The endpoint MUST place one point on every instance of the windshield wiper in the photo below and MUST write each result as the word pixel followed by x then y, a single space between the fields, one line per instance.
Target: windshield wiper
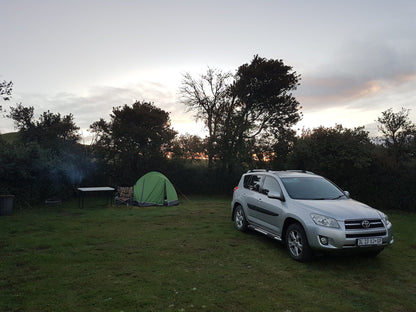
pixel 338 197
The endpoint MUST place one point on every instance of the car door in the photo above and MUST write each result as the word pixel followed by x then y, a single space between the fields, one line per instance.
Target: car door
pixel 251 194
pixel 270 210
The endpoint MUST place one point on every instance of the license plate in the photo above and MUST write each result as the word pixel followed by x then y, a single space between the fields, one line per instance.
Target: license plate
pixel 369 241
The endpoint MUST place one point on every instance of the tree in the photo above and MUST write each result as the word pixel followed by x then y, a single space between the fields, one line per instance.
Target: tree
pixel 399 132
pixel 283 145
pixel 142 128
pixel 263 92
pixel 135 140
pixel 255 104
pixel 262 107
pixel 338 153
pixel 45 159
pixel 189 147
pixel 208 97
pixel 22 117
pixel 6 90
pixel 52 131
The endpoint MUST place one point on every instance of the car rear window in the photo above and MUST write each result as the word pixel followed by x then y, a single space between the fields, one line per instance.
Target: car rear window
pixel 247 181
pixel 252 182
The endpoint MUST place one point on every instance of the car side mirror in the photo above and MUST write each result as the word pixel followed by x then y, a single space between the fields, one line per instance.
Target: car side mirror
pixel 347 194
pixel 276 195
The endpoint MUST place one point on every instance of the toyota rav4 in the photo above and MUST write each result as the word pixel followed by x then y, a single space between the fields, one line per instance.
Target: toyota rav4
pixel 308 213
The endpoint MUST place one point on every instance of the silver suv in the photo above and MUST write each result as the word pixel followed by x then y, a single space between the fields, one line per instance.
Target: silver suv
pixel 308 213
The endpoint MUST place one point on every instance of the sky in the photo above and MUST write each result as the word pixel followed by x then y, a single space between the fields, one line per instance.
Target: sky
pixel 356 59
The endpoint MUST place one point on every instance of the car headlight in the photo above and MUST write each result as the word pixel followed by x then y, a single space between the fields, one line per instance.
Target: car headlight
pixel 384 217
pixel 324 221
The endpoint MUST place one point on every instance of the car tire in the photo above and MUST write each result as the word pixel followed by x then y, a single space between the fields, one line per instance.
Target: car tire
pixel 240 219
pixel 297 243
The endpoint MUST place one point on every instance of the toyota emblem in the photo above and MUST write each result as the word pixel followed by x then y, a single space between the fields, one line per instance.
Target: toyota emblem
pixel 365 224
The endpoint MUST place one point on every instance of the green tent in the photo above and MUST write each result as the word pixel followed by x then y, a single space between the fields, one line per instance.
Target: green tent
pixel 154 189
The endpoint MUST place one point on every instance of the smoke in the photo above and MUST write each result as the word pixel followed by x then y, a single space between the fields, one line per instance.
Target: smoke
pixel 67 171
pixel 73 173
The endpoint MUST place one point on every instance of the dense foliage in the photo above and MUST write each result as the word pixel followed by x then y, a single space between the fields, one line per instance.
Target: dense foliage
pixel 245 112
pixel 44 160
pixel 369 171
pixel 135 141
pixel 6 90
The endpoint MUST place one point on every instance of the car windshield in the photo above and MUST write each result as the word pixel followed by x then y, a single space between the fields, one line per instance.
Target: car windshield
pixel 316 188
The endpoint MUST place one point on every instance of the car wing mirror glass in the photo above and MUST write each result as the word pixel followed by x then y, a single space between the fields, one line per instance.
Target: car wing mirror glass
pixel 276 195
pixel 347 194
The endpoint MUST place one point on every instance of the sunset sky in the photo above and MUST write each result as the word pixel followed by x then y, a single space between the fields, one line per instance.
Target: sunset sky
pixel 356 58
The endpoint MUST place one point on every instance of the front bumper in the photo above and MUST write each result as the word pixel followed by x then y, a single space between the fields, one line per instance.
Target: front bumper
pixel 326 238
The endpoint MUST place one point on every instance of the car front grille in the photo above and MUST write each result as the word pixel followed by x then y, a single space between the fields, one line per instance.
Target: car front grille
pixel 364 228
pixel 358 224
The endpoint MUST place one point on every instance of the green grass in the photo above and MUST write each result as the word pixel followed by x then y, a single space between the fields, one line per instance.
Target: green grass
pixel 186 258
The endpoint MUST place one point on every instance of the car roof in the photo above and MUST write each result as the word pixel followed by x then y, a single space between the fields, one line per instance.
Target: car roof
pixel 284 174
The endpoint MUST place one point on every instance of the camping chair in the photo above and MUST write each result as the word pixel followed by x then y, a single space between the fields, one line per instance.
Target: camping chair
pixel 124 195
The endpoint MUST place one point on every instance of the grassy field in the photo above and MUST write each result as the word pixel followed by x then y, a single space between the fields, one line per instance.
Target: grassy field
pixel 186 258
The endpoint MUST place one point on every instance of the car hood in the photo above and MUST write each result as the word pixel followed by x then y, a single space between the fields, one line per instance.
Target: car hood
pixel 341 209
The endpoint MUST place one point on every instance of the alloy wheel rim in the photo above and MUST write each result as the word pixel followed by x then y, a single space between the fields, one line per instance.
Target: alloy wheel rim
pixel 295 243
pixel 239 218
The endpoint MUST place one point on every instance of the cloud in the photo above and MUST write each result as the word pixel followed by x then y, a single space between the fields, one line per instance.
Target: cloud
pixel 360 70
pixel 98 102
pixel 326 92
pixel 358 82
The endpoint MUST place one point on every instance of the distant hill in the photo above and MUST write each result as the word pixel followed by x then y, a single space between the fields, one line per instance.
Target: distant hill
pixel 10 137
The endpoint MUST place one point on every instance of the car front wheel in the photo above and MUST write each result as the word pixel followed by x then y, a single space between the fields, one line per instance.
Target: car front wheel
pixel 297 243
pixel 240 219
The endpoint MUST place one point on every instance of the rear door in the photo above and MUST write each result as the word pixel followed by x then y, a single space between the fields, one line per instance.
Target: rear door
pixel 252 184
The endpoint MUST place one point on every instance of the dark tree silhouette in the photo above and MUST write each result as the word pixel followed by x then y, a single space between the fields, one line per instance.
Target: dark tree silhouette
pixel 208 96
pixel 135 141
pixel 6 90
pixel 399 132
pixel 51 130
pixel 256 104
pixel 188 146
pixel 262 108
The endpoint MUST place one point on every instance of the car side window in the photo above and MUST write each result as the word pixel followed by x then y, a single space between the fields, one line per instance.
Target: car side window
pixel 270 185
pixel 253 182
pixel 247 180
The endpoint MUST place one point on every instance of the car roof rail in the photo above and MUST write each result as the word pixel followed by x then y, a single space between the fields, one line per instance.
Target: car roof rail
pixel 258 170
pixel 300 171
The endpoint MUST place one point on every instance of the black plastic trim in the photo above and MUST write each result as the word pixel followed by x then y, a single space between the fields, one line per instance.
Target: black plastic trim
pixel 256 208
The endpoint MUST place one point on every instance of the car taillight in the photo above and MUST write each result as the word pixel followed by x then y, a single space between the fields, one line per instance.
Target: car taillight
pixel 235 189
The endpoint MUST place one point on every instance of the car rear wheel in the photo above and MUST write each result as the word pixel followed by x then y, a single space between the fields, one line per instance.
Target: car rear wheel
pixel 240 219
pixel 297 243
